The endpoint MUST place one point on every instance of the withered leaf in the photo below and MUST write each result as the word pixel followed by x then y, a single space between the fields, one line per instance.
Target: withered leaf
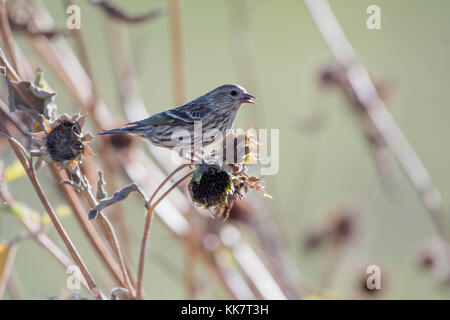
pixel 26 96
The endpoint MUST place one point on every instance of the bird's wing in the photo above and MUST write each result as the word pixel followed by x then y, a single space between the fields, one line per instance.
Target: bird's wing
pixel 194 111
pixel 184 115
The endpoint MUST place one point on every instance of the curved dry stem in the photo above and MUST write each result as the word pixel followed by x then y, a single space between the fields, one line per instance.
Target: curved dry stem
pixel 148 223
pixel 89 229
pixel 164 182
pixel 58 226
pixel 22 149
pixel 6 34
pixel 116 13
pixel 110 234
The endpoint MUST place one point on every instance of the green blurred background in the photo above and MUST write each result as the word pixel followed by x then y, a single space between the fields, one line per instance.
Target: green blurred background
pixel 317 169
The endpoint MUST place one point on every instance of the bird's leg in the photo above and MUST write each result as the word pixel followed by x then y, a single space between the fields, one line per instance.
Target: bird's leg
pixel 192 155
pixel 196 156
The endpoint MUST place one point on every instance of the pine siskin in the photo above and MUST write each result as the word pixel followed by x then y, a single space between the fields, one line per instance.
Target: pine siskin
pixel 214 111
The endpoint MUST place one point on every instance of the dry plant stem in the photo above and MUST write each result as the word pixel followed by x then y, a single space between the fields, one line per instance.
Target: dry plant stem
pixel 118 14
pixel 46 48
pixel 17 26
pixel 189 274
pixel 92 234
pixel 35 231
pixel 51 247
pixel 84 58
pixel 6 34
pixel 233 288
pixel 167 179
pixel 90 106
pixel 110 233
pixel 368 97
pixel 4 112
pixel 178 81
pixel 216 270
pixel 75 204
pixel 83 52
pixel 190 244
pixel 116 246
pixel 40 193
pixel 14 287
pixel 74 200
pixel 177 51
pixel 148 222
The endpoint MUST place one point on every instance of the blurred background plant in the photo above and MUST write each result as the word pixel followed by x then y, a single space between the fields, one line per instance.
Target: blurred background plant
pixel 340 201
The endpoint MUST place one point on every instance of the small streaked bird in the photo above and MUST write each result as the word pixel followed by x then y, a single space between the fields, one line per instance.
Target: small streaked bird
pixel 215 110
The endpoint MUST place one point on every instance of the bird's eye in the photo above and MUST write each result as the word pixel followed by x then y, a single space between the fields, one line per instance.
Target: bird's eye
pixel 233 93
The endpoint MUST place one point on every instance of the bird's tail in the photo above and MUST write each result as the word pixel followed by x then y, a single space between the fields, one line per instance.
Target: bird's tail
pixel 119 130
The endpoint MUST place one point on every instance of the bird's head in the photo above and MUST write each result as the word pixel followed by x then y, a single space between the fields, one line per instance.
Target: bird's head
pixel 229 96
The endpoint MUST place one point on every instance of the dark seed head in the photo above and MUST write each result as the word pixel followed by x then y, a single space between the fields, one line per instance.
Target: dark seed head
pixel 210 185
pixel 63 142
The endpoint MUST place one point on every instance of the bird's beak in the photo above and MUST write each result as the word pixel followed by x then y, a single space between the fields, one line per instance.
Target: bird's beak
pixel 248 98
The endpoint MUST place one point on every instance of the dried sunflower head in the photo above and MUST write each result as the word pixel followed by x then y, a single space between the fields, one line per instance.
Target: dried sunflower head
pixel 218 187
pixel 210 186
pixel 62 141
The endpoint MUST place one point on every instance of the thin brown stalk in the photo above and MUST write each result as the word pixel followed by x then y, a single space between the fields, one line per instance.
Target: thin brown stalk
pixel 111 235
pixel 82 216
pixel 109 159
pixel 56 252
pixel 58 226
pixel 74 203
pixel 14 286
pixel 148 222
pixel 190 258
pixel 167 179
pixel 177 51
pixel 6 34
pixel 45 47
pixel 34 230
pixel 179 89
pixel 12 118
pixel 118 14
pixel 84 59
